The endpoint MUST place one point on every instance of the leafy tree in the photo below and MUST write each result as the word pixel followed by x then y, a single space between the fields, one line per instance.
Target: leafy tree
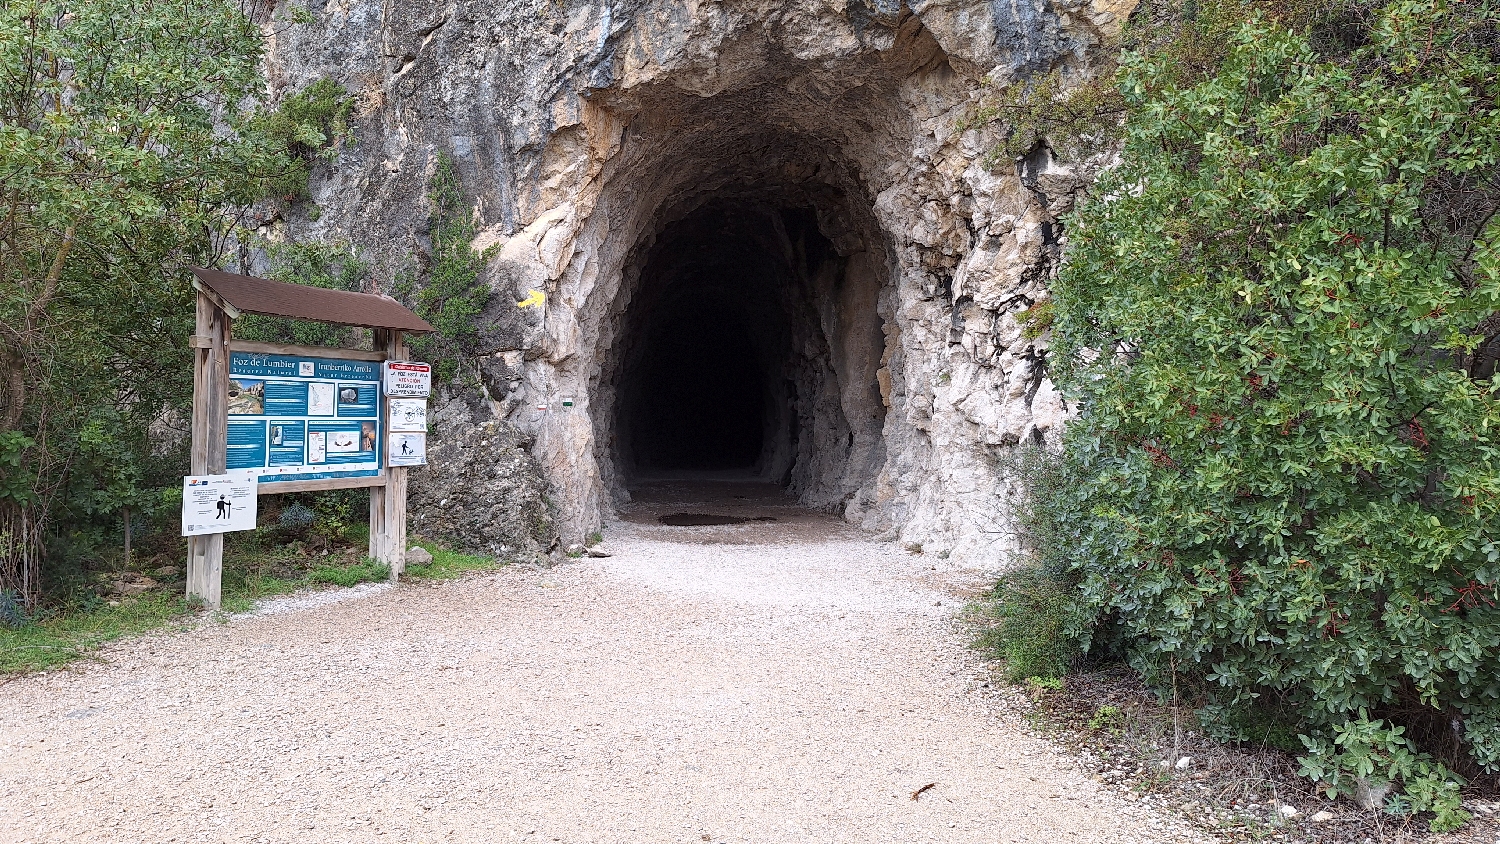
pixel 1279 320
pixel 1077 115
pixel 123 150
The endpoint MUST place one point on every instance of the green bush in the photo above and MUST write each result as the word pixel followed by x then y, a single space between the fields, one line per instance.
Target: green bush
pixel 1036 320
pixel 332 266
pixel 125 152
pixel 1034 618
pixel 1278 318
pixel 454 292
pixel 339 511
pixel 306 126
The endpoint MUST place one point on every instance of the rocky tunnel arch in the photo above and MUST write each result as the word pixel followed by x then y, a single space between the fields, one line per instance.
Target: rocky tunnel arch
pixel 750 336
pixel 808 225
pixel 737 289
pixel 603 143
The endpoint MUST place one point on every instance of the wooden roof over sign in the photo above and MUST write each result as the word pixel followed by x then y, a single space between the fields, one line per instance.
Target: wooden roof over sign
pixel 247 294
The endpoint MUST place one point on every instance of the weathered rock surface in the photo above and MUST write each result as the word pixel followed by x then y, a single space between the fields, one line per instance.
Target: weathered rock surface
pixel 481 490
pixel 800 165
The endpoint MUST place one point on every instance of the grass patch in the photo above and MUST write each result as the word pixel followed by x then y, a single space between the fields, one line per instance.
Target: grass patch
pixel 260 564
pixel 256 566
pixel 365 571
pixel 1031 621
pixel 250 587
pixel 64 637
pixel 447 564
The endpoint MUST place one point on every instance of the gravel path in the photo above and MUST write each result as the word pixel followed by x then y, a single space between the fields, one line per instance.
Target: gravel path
pixel 784 681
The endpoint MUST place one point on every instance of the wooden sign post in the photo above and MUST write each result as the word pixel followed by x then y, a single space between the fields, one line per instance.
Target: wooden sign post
pixel 388 503
pixel 222 298
pixel 205 563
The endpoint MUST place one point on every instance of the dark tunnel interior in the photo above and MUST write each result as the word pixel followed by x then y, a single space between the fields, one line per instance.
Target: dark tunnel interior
pixel 707 383
pixel 700 391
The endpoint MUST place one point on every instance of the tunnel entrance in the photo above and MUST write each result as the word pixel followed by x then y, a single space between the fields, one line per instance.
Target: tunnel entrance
pixel 749 347
pixel 703 387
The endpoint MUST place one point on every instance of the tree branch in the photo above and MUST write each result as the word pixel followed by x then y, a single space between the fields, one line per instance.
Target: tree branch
pixel 50 283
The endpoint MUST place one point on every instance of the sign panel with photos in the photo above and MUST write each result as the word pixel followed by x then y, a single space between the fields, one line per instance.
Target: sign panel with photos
pixel 301 418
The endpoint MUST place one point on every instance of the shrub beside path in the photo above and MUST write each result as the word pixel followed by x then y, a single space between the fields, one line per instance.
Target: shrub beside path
pixel 762 682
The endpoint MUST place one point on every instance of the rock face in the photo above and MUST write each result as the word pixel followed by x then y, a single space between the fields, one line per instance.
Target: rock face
pixel 482 489
pixel 766 242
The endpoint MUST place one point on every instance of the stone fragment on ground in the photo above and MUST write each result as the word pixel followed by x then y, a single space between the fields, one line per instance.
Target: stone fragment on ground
pixel 129 584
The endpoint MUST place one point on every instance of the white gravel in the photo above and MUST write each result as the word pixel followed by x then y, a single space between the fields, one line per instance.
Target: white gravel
pixel 786 681
pixel 312 600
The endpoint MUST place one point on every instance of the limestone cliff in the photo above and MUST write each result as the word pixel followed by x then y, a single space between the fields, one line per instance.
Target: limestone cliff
pixel 792 172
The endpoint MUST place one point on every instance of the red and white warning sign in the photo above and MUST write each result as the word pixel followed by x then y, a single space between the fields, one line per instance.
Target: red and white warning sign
pixel 407 378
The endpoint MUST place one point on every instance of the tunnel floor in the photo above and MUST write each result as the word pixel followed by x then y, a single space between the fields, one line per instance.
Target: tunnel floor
pixel 763 512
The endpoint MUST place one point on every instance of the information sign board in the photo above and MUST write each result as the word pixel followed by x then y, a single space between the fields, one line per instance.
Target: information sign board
pixel 407 450
pixel 407 415
pixel 295 418
pixel 407 378
pixel 218 503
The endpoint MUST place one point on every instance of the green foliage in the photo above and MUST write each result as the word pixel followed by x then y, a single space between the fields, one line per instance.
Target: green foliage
pixel 1107 719
pixel 454 292
pixel 337 513
pixel 108 474
pixel 1037 319
pixel 1045 684
pixel 12 609
pixel 1074 119
pixel 17 483
pixel 329 517
pixel 1030 620
pixel 125 136
pixel 1260 723
pixel 332 266
pixel 448 564
pixel 1186 40
pixel 63 637
pixel 366 571
pixel 255 568
pixel 1368 753
pixel 295 519
pixel 271 561
pixel 1033 618
pixel 308 125
pixel 1278 321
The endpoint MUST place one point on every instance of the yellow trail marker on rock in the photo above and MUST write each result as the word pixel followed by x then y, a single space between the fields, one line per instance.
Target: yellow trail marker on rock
pixel 537 297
